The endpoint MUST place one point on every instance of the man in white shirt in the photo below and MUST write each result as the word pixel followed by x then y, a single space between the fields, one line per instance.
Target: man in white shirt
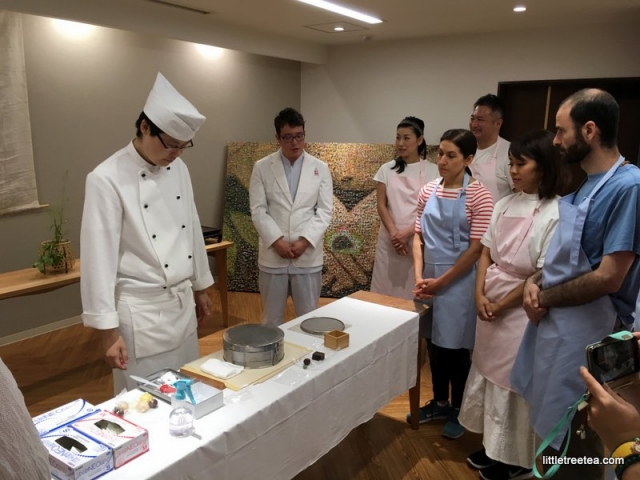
pixel 291 197
pixel 142 247
pixel 491 161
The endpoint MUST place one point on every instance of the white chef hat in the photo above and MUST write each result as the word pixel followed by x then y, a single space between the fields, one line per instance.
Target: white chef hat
pixel 171 112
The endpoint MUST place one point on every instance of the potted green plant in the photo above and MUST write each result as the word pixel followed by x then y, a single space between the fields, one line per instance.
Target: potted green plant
pixel 55 255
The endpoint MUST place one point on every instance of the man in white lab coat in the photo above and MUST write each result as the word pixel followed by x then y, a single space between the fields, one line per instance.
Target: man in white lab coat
pixel 291 196
pixel 142 248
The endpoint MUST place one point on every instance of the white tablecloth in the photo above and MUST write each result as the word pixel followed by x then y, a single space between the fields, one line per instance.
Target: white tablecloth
pixel 276 429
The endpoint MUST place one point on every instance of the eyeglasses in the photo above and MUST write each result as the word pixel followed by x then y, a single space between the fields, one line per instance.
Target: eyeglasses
pixel 290 138
pixel 189 144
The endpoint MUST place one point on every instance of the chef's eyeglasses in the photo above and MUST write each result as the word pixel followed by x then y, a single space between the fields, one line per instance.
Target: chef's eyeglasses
pixel 189 144
pixel 290 138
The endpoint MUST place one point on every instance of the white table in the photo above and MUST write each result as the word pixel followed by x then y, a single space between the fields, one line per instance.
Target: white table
pixel 276 429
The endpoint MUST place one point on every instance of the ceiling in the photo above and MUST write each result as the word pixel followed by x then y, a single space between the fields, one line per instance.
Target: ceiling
pixel 405 18
pixel 293 30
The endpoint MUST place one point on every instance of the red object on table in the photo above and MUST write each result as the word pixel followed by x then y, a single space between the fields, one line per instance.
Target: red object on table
pixel 165 388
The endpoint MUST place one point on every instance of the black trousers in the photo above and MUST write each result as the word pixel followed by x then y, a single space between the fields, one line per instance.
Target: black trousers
pixel 448 367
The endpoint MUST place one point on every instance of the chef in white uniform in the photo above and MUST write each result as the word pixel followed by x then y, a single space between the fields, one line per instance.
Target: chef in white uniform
pixel 291 199
pixel 144 265
pixel 491 162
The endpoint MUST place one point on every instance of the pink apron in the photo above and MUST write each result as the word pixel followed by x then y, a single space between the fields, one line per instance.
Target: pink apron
pixel 497 342
pixel 393 273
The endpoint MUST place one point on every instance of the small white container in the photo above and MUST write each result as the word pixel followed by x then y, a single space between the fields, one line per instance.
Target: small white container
pixel 207 399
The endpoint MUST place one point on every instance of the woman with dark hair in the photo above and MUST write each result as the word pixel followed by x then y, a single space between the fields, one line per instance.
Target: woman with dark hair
pixel 514 248
pixel 399 182
pixel 453 214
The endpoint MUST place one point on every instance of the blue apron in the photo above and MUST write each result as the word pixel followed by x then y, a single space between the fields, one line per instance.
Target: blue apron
pixel 545 372
pixel 445 231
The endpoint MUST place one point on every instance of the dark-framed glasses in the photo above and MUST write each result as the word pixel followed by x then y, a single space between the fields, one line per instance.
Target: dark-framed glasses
pixel 298 137
pixel 175 148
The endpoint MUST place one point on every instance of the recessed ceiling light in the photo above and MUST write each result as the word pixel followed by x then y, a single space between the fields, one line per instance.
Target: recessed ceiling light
pixel 520 8
pixel 338 29
pixel 209 51
pixel 73 29
pixel 347 12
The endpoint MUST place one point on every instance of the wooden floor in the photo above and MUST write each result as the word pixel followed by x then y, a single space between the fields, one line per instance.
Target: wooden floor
pixel 57 367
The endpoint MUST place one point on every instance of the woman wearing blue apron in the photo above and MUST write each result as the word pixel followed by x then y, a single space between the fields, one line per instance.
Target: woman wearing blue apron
pixel 454 212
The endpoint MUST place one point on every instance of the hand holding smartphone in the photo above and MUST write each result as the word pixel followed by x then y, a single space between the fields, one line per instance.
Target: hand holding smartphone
pixel 613 358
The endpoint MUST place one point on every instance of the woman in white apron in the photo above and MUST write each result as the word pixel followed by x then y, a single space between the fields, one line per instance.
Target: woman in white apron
pixel 514 248
pixel 454 212
pixel 399 182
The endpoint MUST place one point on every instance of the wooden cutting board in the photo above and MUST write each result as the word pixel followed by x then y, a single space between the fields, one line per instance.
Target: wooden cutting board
pixel 249 376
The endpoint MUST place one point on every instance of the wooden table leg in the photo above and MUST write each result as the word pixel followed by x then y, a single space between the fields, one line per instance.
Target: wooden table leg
pixel 414 393
pixel 221 266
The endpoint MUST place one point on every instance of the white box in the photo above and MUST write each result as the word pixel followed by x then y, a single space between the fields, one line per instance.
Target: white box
pixel 63 415
pixel 207 399
pixel 126 439
pixel 93 459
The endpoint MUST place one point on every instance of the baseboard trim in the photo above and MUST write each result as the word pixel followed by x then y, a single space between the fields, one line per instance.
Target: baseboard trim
pixel 50 327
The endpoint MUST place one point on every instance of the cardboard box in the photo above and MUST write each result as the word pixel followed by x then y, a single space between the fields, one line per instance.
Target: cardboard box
pixel 207 399
pixel 336 339
pixel 126 439
pixel 63 415
pixel 74 456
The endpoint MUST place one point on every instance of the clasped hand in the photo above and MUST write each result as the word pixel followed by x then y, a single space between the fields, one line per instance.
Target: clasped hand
pixel 400 242
pixel 531 302
pixel 426 288
pixel 486 309
pixel 291 249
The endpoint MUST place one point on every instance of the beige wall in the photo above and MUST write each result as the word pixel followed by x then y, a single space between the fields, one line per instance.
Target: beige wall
pixel 85 95
pixel 364 90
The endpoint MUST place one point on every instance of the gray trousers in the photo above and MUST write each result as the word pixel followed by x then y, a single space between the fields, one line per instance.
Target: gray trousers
pixel 275 288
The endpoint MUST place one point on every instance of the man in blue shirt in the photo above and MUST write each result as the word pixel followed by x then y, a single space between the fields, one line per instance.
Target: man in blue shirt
pixel 589 282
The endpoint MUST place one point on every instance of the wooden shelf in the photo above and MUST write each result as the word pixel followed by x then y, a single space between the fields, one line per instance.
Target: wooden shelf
pixel 30 281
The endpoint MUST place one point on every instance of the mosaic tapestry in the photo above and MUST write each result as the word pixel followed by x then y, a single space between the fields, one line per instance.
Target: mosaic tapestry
pixel 350 240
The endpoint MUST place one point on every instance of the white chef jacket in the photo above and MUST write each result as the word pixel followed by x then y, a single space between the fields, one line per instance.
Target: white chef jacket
pixel 140 234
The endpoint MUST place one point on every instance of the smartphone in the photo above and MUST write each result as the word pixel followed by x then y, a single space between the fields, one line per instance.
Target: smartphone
pixel 612 359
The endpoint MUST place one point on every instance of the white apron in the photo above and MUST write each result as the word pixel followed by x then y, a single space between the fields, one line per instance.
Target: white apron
pixel 485 172
pixel 497 342
pixel 445 230
pixel 545 372
pixel 159 331
pixel 392 273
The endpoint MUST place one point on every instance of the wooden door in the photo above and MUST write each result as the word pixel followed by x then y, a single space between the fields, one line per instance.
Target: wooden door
pixel 533 105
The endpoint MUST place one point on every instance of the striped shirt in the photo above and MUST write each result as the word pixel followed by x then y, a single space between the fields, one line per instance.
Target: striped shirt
pixel 478 205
